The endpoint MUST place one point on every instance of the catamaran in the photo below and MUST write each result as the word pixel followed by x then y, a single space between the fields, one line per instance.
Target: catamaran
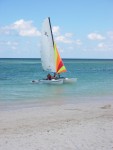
pixel 50 57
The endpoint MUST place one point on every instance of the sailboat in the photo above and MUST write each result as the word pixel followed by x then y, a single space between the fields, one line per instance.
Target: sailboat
pixel 50 57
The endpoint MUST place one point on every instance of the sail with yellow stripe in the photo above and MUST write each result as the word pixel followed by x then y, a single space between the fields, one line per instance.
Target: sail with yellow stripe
pixel 59 63
pixel 50 57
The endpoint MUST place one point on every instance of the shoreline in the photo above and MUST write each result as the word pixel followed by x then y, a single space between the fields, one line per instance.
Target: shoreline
pixel 44 102
pixel 78 126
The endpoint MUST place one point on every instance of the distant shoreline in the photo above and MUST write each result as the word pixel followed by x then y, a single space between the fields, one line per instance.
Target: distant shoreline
pixel 67 58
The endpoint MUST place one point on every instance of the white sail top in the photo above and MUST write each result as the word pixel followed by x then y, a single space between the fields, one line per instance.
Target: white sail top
pixel 47 50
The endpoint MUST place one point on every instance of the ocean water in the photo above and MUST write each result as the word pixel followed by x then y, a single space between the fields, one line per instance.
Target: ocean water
pixel 94 81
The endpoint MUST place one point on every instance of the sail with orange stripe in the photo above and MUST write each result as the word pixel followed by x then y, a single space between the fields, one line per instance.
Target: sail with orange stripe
pixel 50 57
pixel 59 63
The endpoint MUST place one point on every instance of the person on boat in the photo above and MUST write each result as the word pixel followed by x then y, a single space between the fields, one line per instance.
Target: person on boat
pixel 58 75
pixel 54 76
pixel 49 77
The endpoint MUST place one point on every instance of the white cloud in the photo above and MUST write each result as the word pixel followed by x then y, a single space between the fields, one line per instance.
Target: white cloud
pixel 56 30
pixel 107 46
pixel 95 36
pixel 23 28
pixel 63 39
pixel 101 45
pixel 67 39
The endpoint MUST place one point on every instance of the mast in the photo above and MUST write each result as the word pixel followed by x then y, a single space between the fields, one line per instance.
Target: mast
pixel 50 57
pixel 51 31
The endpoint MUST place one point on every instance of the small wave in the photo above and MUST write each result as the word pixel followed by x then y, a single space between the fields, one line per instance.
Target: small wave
pixel 4 78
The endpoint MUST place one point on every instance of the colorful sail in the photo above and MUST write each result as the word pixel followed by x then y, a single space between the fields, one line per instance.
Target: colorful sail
pixel 58 61
pixel 50 57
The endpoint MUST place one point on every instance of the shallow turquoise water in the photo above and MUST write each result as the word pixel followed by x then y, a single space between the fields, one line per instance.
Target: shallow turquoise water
pixel 95 79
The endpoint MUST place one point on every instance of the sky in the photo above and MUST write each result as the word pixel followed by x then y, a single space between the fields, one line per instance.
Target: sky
pixel 81 28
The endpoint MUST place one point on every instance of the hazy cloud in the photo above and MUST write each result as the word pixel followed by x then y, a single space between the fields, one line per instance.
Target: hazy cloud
pixel 68 35
pixel 101 45
pixel 110 34
pixel 78 42
pixel 10 44
pixel 95 36
pixel 63 39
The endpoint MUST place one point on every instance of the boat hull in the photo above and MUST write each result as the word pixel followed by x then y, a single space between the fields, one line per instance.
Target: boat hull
pixel 69 80
pixel 56 81
pixel 53 81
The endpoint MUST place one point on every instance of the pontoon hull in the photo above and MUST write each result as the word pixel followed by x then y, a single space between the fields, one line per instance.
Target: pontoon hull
pixel 53 81
pixel 56 81
pixel 69 80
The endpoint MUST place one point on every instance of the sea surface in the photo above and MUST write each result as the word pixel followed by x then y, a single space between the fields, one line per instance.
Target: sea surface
pixel 94 82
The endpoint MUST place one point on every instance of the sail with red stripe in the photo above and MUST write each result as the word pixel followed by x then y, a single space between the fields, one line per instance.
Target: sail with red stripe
pixel 59 63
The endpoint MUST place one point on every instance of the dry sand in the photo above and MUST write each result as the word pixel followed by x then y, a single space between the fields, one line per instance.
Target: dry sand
pixel 85 126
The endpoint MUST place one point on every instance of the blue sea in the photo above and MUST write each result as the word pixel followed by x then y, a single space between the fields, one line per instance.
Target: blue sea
pixel 94 82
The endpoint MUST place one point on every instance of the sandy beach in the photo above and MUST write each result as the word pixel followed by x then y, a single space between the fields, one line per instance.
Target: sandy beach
pixel 83 126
